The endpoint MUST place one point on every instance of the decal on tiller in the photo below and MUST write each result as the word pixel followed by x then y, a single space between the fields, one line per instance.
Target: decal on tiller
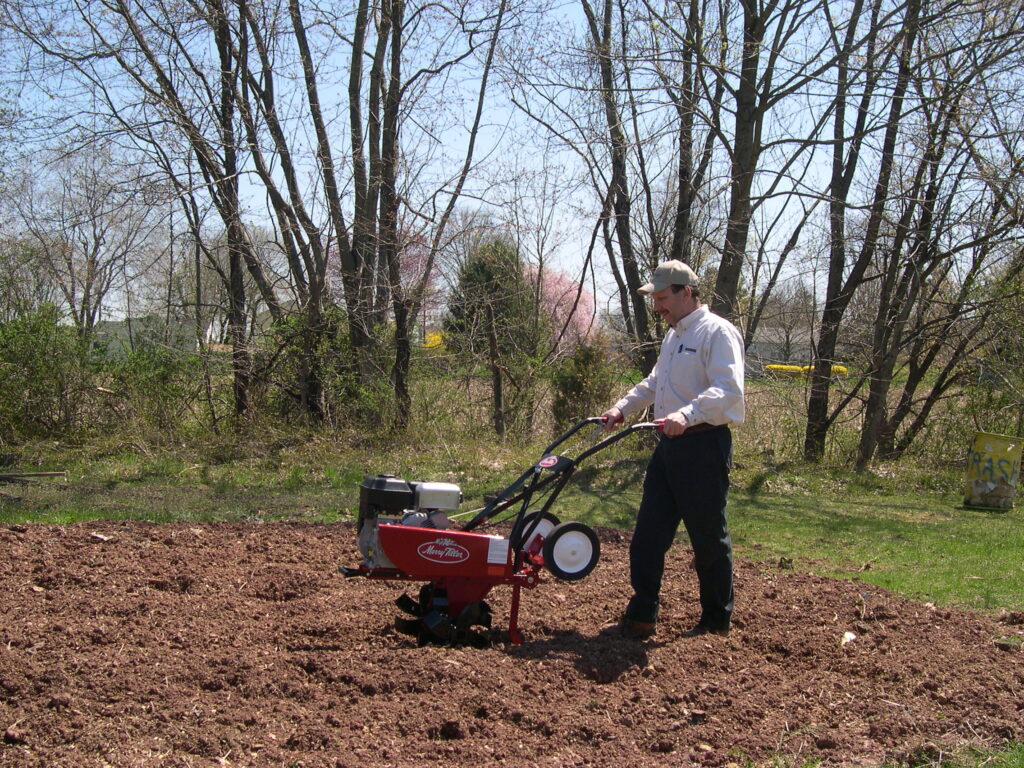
pixel 548 461
pixel 444 551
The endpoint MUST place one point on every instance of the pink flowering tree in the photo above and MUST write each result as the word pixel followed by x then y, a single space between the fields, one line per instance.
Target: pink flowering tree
pixel 567 306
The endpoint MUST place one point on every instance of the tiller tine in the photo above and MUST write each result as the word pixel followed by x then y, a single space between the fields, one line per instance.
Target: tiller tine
pixel 431 623
pixel 436 628
pixel 412 626
pixel 477 614
pixel 408 626
pixel 409 605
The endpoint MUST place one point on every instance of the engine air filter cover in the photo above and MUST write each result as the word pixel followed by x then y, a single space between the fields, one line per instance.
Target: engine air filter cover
pixel 438 496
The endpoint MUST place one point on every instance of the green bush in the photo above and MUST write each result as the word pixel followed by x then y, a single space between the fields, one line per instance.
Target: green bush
pixel 311 374
pixel 44 376
pixel 154 387
pixel 494 321
pixel 584 385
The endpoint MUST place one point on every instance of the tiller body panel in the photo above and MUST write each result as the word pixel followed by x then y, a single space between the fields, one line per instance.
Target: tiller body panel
pixel 436 554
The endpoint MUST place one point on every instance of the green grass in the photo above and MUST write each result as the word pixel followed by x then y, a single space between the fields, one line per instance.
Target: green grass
pixel 1011 757
pixel 923 544
pixel 310 480
pixel 928 548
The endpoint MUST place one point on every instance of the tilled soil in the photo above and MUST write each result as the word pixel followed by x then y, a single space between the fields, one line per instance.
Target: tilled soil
pixel 130 644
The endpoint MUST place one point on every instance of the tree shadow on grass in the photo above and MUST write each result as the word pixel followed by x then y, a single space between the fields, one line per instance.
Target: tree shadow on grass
pixel 611 491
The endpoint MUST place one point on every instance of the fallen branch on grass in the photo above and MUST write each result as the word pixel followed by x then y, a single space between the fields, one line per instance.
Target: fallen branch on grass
pixel 24 477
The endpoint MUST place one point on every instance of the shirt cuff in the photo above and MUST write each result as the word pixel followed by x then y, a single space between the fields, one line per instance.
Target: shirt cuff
pixel 623 406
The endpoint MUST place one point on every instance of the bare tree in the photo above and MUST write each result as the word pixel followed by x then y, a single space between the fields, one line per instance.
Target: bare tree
pixel 91 221
pixel 847 153
pixel 956 228
pixel 242 89
pixel 369 243
pixel 695 122
pixel 933 230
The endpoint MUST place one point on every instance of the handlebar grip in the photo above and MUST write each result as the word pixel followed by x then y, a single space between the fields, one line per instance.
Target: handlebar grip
pixel 657 424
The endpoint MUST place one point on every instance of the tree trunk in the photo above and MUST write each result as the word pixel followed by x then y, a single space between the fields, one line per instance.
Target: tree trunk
pixel 497 392
pixel 601 33
pixel 839 292
pixel 237 326
pixel 745 152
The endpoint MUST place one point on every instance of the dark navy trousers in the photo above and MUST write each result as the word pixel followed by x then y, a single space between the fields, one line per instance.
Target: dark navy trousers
pixel 687 481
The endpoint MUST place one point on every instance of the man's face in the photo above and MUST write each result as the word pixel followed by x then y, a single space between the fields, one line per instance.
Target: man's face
pixel 673 306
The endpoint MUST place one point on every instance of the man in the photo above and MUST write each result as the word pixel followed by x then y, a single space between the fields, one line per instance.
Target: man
pixel 696 387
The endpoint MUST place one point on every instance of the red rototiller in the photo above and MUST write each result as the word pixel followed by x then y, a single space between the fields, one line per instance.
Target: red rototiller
pixel 405 534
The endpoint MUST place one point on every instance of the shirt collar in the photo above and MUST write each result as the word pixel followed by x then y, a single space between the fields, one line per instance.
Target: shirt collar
pixel 685 322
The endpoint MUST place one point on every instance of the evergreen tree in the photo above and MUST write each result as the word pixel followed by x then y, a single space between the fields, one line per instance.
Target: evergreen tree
pixel 492 316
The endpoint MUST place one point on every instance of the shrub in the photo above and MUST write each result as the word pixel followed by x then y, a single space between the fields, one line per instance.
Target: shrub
pixel 311 374
pixel 44 376
pixel 157 385
pixel 583 385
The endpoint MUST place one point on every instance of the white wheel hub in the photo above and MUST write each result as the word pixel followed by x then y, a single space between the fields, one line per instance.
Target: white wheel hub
pixel 572 552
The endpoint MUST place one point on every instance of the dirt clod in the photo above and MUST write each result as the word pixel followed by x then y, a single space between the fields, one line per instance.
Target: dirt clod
pixel 59 701
pixel 448 731
pixel 242 644
pixel 14 736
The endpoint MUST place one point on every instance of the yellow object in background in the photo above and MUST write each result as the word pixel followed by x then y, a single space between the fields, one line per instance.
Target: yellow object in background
pixel 993 469
pixel 433 340
pixel 800 371
pixel 785 371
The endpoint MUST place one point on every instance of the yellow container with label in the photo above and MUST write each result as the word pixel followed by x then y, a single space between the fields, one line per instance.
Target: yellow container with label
pixel 993 469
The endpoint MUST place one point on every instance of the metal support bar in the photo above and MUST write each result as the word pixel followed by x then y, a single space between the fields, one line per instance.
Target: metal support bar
pixel 513 619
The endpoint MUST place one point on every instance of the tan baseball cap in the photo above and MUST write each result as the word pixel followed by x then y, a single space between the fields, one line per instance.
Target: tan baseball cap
pixel 668 273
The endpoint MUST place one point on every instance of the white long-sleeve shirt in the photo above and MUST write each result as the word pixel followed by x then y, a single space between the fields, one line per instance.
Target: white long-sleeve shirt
pixel 699 373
